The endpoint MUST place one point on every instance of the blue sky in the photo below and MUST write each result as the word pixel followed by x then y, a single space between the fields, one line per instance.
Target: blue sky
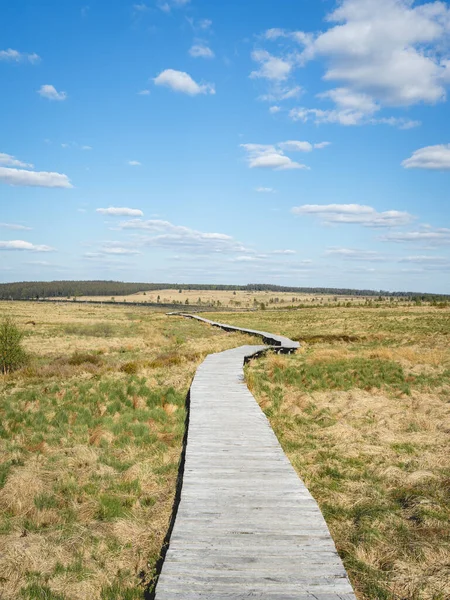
pixel 292 142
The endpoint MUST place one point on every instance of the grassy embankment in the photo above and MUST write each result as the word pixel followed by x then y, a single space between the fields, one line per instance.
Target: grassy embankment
pixel 90 438
pixel 363 412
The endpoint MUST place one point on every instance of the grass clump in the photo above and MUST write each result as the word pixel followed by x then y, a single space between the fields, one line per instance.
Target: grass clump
pixel 104 330
pixel 12 353
pixel 80 358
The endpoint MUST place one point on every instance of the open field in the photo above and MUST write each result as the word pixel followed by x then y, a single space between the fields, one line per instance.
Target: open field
pixel 91 432
pixel 363 412
pixel 90 438
pixel 240 299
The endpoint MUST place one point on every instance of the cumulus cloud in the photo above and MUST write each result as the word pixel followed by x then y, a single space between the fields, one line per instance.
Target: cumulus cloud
pixel 11 161
pixel 382 48
pixel 14 226
pixel 263 156
pixel 378 53
pixel 354 254
pixel 357 214
pixel 21 177
pixel 114 211
pixel 11 55
pixel 201 51
pixel 271 67
pixel 167 235
pixel 134 163
pixel 269 156
pixel 429 157
pixel 286 252
pixel 50 92
pixel 22 245
pixel 179 81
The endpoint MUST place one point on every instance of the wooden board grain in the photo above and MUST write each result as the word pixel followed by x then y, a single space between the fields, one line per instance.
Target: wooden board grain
pixel 246 525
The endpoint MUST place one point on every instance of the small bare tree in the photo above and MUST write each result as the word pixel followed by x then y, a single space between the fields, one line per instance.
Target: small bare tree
pixel 12 354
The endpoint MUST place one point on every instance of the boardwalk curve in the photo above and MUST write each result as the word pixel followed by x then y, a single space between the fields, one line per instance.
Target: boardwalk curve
pixel 246 525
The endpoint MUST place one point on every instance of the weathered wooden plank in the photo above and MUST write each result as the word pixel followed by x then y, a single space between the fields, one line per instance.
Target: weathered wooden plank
pixel 246 525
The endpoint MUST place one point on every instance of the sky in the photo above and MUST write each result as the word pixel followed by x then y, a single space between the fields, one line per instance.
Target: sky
pixel 293 142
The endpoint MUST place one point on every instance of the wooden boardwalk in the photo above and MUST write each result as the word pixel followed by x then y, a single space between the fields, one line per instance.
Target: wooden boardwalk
pixel 246 525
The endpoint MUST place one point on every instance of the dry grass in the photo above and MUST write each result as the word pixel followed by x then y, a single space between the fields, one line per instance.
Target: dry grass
pixel 90 439
pixel 236 299
pixel 366 424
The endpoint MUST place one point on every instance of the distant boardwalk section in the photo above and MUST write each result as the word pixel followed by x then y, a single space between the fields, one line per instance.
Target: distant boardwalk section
pixel 246 525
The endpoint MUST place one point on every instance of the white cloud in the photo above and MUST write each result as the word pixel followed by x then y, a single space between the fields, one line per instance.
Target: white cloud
pixel 166 235
pixel 378 53
pixel 205 23
pixel 14 226
pixel 388 49
pixel 270 156
pixel 119 250
pixel 50 92
pixel 140 7
pixel 430 157
pixel 399 122
pixel 86 147
pixel 34 178
pixel 11 55
pixel 11 161
pixel 286 252
pixel 22 245
pixel 427 235
pixel 353 254
pixel 426 260
pixel 354 214
pixel 271 67
pixel 348 117
pixel 265 190
pixel 179 81
pixel 201 51
pixel 144 93
pixel 321 145
pixel 295 146
pixel 134 163
pixel 114 211
pixel 351 100
pixel 274 109
pixel 167 5
pixel 279 92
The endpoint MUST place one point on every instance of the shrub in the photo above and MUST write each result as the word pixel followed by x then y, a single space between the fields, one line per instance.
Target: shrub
pixel 12 354
pixel 80 358
pixel 130 367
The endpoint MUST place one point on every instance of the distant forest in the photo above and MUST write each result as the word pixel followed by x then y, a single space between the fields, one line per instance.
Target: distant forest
pixel 25 290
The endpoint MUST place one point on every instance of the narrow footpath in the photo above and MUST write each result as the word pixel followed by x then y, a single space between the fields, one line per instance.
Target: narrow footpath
pixel 246 525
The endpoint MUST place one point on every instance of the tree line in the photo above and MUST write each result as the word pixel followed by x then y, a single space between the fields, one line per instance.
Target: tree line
pixel 24 290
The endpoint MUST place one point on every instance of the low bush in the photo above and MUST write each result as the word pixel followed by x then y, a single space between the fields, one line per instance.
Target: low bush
pixel 130 367
pixel 12 354
pixel 80 358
